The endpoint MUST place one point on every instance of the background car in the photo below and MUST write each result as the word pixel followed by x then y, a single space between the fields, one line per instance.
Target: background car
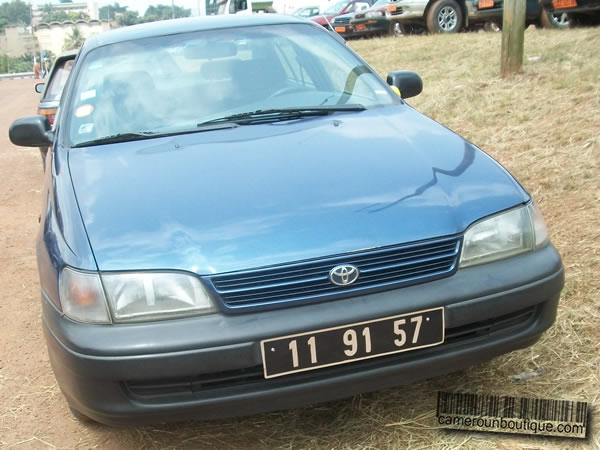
pixel 451 16
pixel 341 25
pixel 52 89
pixel 307 11
pixel 535 14
pixel 435 16
pixel 378 19
pixel 578 12
pixel 337 9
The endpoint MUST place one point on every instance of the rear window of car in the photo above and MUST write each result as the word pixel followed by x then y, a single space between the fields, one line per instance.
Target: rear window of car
pixel 57 81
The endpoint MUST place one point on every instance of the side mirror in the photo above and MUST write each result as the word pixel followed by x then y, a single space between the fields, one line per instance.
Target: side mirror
pixel 32 131
pixel 39 87
pixel 409 83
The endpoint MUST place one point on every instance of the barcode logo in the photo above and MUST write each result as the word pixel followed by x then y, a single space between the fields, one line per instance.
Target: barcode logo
pixel 512 415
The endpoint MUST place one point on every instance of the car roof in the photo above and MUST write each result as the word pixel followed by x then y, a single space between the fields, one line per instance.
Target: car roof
pixel 177 26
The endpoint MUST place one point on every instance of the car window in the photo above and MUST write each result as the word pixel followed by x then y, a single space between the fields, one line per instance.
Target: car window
pixel 173 83
pixel 57 81
pixel 336 8
pixel 359 6
pixel 237 5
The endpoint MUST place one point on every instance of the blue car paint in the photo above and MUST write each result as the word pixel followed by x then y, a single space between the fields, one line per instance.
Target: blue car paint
pixel 259 195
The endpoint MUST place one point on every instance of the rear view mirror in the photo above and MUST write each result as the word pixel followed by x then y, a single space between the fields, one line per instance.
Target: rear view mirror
pixel 32 131
pixel 409 83
pixel 209 50
pixel 39 87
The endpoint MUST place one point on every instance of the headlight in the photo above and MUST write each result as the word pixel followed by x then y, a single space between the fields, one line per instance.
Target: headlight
pixel 131 296
pixel 82 296
pixel 374 14
pixel 152 295
pixel 503 235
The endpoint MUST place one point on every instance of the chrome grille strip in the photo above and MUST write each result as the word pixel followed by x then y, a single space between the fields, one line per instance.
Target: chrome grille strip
pixel 385 267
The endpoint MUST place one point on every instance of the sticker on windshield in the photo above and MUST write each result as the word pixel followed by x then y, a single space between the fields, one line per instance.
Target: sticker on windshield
pixel 86 128
pixel 87 94
pixel 84 110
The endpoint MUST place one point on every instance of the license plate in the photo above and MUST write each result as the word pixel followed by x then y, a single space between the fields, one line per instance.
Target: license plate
pixel 372 21
pixel 563 4
pixel 361 26
pixel 353 342
pixel 340 29
pixel 486 4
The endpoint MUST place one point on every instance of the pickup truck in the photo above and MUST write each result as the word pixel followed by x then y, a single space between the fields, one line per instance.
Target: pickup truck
pixel 451 16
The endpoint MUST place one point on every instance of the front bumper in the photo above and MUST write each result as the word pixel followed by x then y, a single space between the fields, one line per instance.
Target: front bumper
pixel 210 366
pixel 369 26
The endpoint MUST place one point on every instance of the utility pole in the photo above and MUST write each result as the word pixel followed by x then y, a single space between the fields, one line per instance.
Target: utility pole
pixel 172 9
pixel 513 36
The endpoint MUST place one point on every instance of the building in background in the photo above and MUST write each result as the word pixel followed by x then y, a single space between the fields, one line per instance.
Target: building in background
pixel 17 40
pixel 89 8
pixel 51 37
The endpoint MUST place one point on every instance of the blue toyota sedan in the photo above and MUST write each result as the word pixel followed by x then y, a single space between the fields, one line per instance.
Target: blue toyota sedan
pixel 240 216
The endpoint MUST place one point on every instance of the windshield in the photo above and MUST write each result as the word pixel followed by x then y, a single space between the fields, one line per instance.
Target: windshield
pixel 58 79
pixel 174 83
pixel 335 9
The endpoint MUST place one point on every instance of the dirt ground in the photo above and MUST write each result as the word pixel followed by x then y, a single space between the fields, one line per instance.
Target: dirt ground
pixel 559 167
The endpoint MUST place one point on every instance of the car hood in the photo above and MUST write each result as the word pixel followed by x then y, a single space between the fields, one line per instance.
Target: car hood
pixel 253 196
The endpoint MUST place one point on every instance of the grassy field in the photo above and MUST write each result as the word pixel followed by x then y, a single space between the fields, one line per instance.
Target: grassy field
pixel 543 126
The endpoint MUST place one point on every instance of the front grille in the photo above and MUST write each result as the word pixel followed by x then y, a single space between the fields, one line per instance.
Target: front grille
pixel 341 21
pixel 207 383
pixel 397 12
pixel 380 269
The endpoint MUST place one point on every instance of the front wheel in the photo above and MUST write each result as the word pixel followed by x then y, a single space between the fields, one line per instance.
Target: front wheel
pixel 444 16
pixel 411 28
pixel 557 20
pixel 80 417
pixel 395 29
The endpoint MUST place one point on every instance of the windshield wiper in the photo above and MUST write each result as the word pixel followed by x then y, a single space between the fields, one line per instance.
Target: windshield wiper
pixel 280 114
pixel 127 137
pixel 120 137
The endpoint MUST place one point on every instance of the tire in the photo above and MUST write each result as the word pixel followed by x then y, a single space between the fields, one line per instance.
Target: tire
pixel 444 16
pixel 395 29
pixel 81 417
pixel 583 20
pixel 410 28
pixel 492 27
pixel 557 21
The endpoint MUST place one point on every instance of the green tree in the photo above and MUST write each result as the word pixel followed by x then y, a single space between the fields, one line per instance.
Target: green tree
pixel 54 16
pixel 15 12
pixel 74 16
pixel 163 12
pixel 74 40
pixel 128 18
pixel 16 64
pixel 109 12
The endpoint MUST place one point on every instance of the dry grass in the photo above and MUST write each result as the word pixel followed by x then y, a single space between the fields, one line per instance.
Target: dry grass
pixel 544 126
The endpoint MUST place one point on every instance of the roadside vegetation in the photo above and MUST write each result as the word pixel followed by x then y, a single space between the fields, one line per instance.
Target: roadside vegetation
pixel 544 127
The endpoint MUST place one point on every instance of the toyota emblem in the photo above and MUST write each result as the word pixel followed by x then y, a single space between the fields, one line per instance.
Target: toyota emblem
pixel 343 275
